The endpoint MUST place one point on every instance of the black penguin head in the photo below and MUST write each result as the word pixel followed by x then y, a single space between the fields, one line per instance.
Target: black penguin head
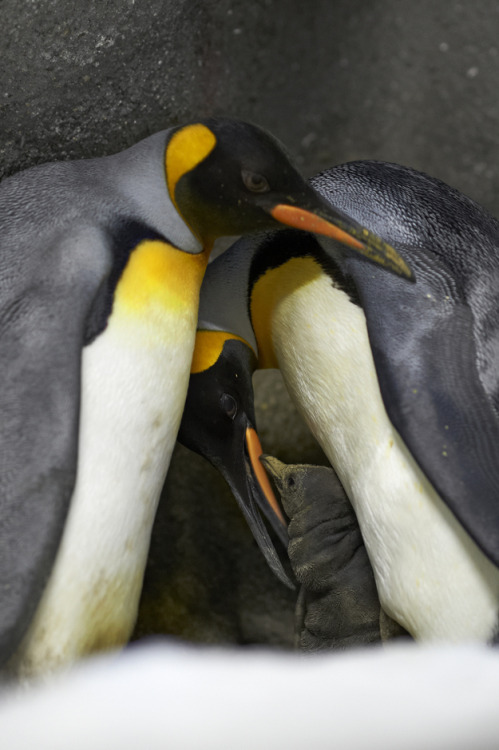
pixel 227 177
pixel 218 423
pixel 243 175
pixel 220 395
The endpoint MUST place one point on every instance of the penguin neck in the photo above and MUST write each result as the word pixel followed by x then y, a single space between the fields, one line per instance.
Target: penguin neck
pixel 140 178
pixel 284 266
pixel 159 280
pixel 223 303
pixel 271 291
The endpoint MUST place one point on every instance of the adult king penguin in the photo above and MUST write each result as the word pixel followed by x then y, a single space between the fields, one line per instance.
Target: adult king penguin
pixel 219 423
pixel 100 268
pixel 399 382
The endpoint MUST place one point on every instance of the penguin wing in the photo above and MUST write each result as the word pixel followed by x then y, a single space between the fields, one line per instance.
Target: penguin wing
pixel 46 296
pixel 423 342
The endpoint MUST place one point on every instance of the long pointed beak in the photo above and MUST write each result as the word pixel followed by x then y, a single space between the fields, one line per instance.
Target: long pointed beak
pixel 252 489
pixel 267 500
pixel 346 231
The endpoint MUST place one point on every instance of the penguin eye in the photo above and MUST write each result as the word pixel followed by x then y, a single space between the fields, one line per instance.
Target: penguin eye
pixel 255 182
pixel 228 404
pixel 291 482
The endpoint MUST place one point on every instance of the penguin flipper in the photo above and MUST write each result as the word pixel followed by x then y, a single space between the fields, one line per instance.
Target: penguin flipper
pixel 423 343
pixel 44 312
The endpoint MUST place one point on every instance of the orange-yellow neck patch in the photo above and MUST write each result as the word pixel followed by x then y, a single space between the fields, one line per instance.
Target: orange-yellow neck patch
pixel 269 290
pixel 186 149
pixel 159 275
pixel 208 348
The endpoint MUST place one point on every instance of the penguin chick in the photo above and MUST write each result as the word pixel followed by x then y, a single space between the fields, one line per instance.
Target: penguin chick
pixel 338 605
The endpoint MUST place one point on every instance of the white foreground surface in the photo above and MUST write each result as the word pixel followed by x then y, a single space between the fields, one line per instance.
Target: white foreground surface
pixel 162 696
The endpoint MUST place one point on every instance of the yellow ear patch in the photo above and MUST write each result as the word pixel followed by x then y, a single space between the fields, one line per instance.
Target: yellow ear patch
pixel 208 348
pixel 185 150
pixel 268 291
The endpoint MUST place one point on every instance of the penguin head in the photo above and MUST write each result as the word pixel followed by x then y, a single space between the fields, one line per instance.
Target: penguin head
pixel 219 423
pixel 296 482
pixel 228 177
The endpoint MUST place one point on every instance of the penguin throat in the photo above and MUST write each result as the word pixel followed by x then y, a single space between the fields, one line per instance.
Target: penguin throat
pixel 159 276
pixel 268 293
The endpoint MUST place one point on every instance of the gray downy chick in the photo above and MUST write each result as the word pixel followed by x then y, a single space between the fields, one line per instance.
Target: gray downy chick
pixel 338 606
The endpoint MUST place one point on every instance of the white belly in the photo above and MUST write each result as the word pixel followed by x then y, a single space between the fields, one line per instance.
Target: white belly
pixel 431 577
pixel 133 391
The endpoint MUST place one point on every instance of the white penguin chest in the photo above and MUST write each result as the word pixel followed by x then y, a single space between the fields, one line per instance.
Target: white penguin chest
pixel 431 577
pixel 134 381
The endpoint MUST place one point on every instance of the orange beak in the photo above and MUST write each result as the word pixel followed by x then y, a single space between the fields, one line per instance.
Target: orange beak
pixel 350 234
pixel 254 452
pixel 301 219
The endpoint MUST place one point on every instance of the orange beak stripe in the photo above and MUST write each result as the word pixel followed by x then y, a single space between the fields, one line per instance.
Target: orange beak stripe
pixel 301 219
pixel 254 452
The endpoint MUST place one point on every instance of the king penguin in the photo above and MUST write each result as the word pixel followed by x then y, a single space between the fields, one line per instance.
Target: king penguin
pixel 398 382
pixel 101 262
pixel 219 424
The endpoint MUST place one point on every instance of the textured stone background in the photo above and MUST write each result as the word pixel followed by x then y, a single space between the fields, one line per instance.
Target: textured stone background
pixel 416 83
